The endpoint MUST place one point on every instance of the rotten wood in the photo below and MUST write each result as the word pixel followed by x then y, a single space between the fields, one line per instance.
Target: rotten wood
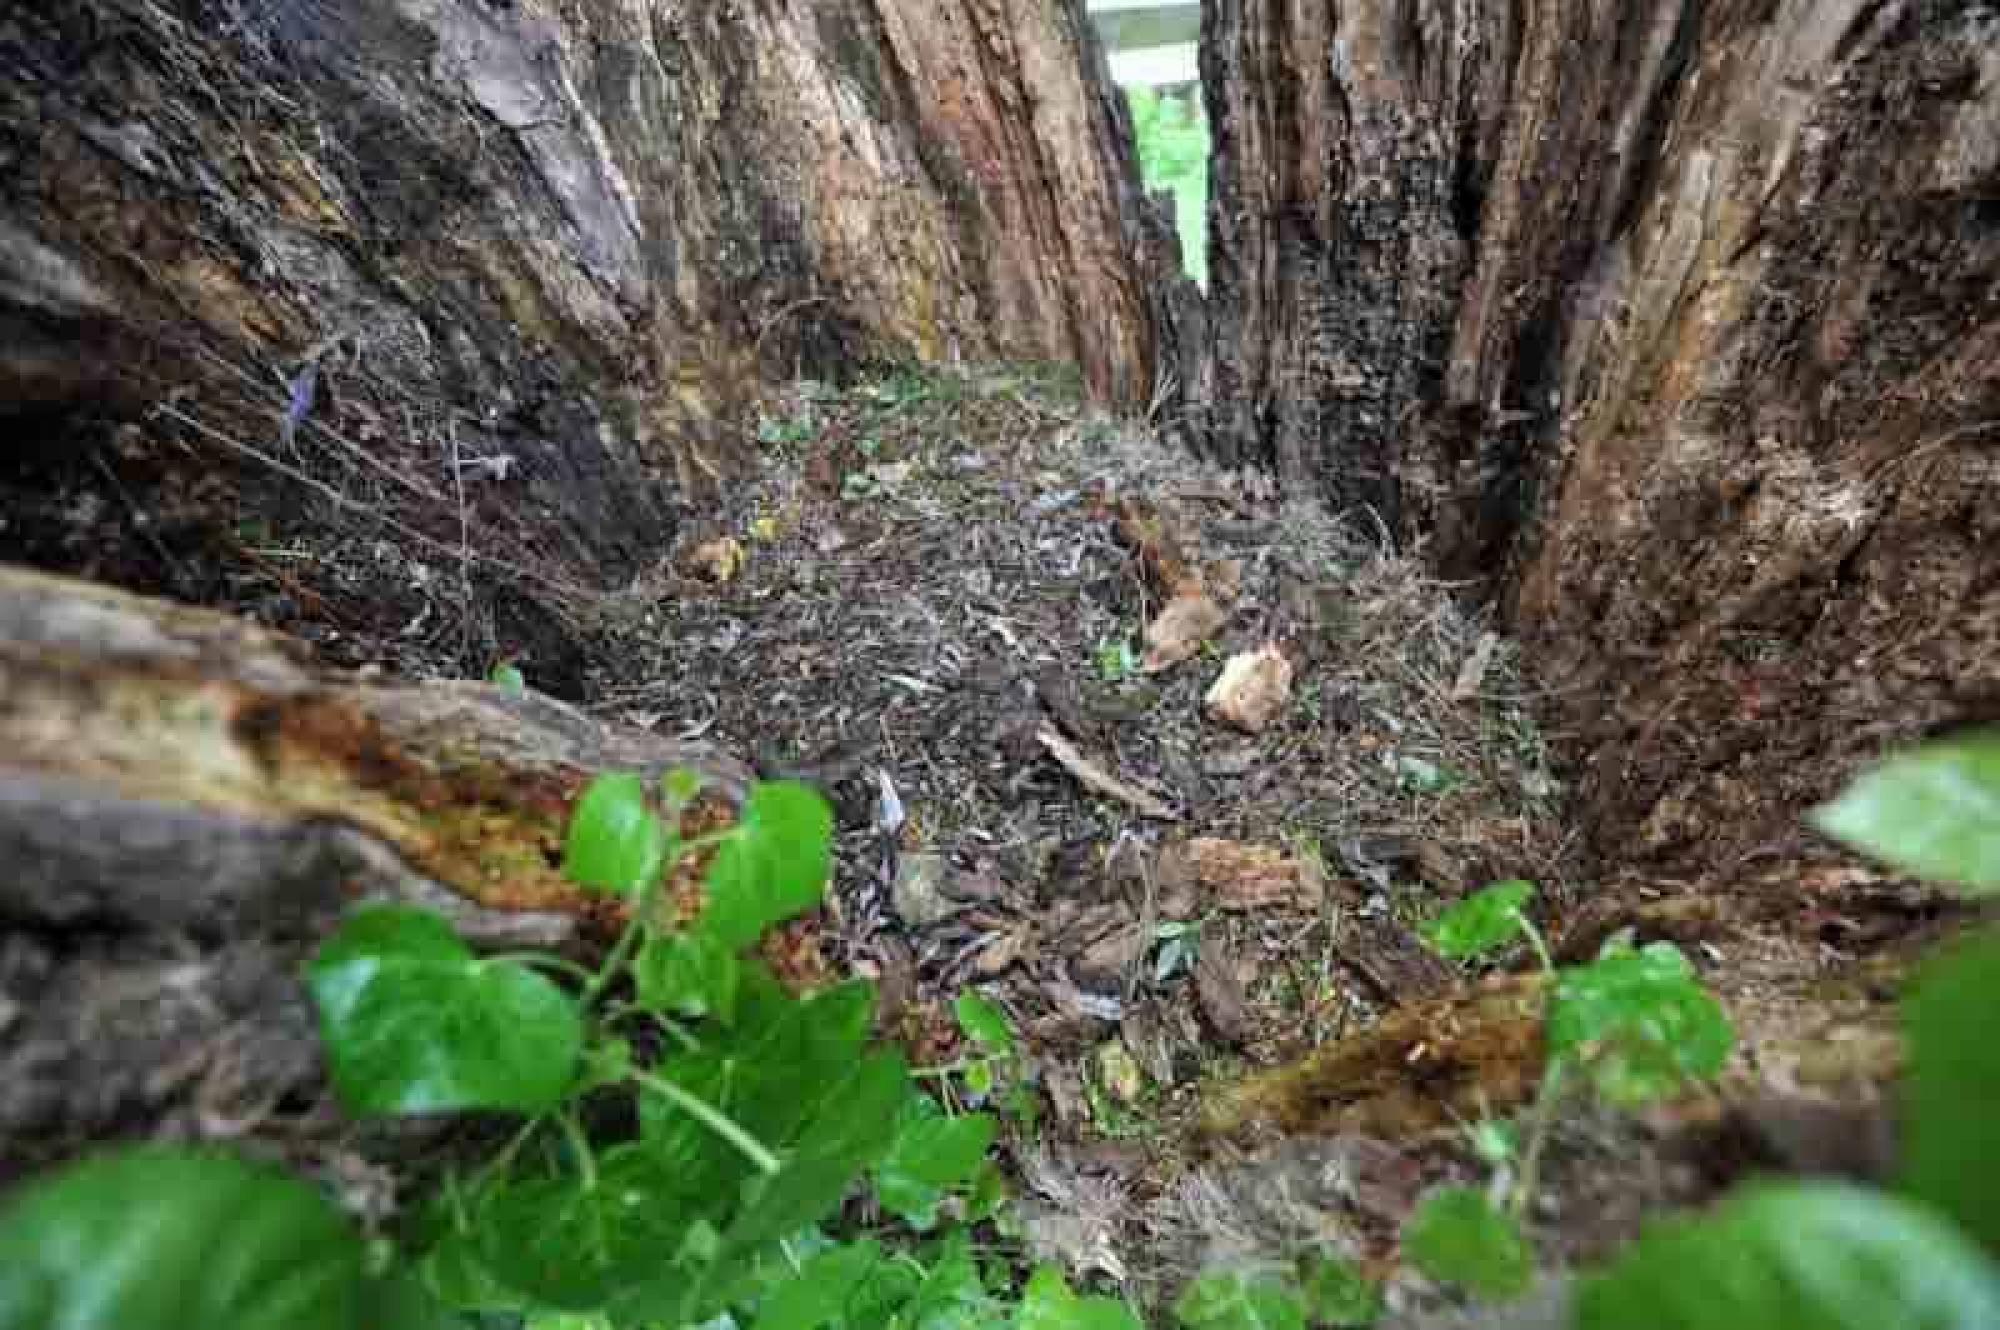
pixel 187 802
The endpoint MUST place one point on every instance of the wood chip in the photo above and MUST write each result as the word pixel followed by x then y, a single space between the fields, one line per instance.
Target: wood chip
pixel 1252 689
pixel 1091 776
pixel 1473 673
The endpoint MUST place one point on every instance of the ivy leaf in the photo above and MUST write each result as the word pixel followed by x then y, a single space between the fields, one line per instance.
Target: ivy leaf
pixel 577 1242
pixel 819 1293
pixel 1483 922
pixel 1048 1304
pixel 1933 811
pixel 1640 1021
pixel 851 1131
pixel 1805 1256
pixel 771 866
pixel 615 843
pixel 1235 1300
pixel 1457 1237
pixel 690 974
pixel 413 1022
pixel 163 1239
pixel 984 1024
pixel 1953 1086
pixel 931 1155
pixel 1338 1294
pixel 952 1295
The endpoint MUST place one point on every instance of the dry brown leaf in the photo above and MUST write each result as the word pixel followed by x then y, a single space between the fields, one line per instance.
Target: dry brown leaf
pixel 1145 529
pixel 999 955
pixel 717 560
pixel 1094 777
pixel 1253 688
pixel 1178 631
pixel 1105 963
pixel 1222 997
pixel 1241 876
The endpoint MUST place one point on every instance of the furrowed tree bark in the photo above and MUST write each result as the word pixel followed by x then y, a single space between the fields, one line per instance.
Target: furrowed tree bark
pixel 1676 322
pixel 507 275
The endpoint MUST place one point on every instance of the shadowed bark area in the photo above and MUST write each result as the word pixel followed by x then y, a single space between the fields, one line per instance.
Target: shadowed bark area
pixel 1673 322
pixel 506 276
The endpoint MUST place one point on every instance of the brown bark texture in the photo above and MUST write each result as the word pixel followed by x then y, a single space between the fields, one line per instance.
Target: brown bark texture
pixel 187 801
pixel 1677 322
pixel 506 275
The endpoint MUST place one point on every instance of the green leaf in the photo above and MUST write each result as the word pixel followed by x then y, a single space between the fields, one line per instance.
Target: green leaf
pixel 984 1024
pixel 1338 1294
pixel 1952 1088
pixel 819 1293
pixel 572 1242
pixel 615 843
pixel 1640 1022
pixel 413 1022
pixel 1048 1304
pixel 1483 922
pixel 681 786
pixel 1798 1256
pixel 1236 1300
pixel 770 1073
pixel 1933 811
pixel 689 974
pixel 1495 1143
pixel 509 677
pixel 931 1155
pixel 162 1239
pixel 772 865
pixel 952 1295
pixel 1457 1237
pixel 852 1130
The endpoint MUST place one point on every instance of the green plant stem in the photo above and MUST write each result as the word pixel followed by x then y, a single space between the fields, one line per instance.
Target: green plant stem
pixel 713 1118
pixel 499 1162
pixel 542 958
pixel 1537 941
pixel 585 1160
pixel 946 1069
pixel 642 905
pixel 672 1028
pixel 1540 1120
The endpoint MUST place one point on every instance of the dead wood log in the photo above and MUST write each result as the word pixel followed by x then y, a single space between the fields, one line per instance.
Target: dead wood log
pixel 186 802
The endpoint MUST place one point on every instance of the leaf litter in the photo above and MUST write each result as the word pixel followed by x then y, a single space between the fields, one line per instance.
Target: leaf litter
pixel 929 569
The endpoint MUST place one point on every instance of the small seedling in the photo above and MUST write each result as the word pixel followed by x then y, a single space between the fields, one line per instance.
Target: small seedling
pixel 1116 660
pixel 1634 1024
pixel 786 430
pixel 1178 946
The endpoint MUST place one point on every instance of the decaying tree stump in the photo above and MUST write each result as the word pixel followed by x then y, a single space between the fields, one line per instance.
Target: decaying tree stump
pixel 1675 322
pixel 489 286
pixel 185 804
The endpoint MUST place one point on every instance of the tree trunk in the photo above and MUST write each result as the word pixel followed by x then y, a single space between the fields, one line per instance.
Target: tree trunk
pixel 493 284
pixel 1681 313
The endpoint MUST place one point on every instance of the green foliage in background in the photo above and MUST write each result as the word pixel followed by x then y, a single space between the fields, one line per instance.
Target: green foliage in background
pixel 1173 155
